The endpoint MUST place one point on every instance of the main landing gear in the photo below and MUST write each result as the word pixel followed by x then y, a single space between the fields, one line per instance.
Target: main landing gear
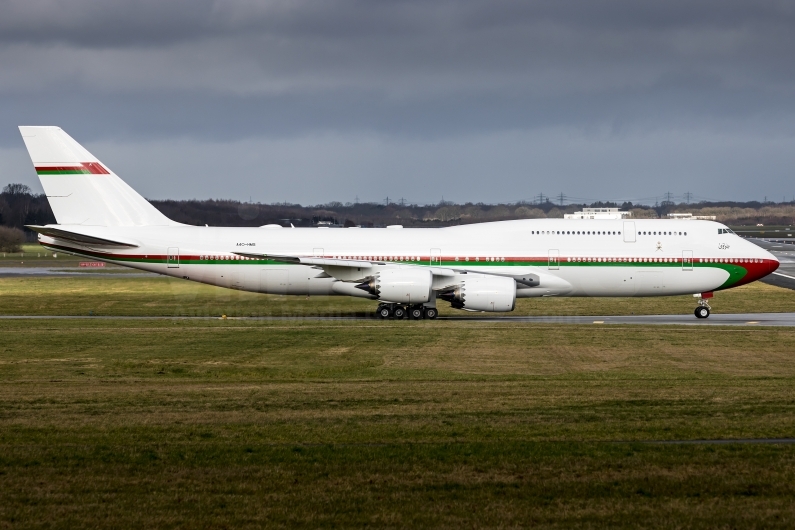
pixel 703 309
pixel 414 312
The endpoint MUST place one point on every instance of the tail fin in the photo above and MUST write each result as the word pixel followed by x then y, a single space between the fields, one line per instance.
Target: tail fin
pixel 81 190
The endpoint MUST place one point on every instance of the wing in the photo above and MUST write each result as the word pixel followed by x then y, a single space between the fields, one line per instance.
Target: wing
pixel 350 270
pixel 77 237
pixel 345 269
pixel 318 262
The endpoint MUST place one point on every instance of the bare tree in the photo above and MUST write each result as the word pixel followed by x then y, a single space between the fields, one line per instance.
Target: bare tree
pixel 16 189
pixel 11 239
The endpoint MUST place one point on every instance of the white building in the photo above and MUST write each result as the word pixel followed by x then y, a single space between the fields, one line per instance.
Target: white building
pixel 598 213
pixel 686 216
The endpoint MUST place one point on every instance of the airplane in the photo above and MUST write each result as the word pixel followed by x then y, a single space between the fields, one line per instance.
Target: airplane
pixel 477 267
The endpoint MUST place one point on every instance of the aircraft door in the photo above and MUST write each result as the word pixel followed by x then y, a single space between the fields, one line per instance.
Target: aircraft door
pixel 687 260
pixel 436 257
pixel 554 259
pixel 629 231
pixel 172 258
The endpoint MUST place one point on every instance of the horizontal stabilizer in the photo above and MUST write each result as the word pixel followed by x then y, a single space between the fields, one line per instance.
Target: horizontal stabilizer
pixel 78 237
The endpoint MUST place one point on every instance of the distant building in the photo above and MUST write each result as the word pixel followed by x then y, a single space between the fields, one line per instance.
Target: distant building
pixel 328 224
pixel 598 213
pixel 688 216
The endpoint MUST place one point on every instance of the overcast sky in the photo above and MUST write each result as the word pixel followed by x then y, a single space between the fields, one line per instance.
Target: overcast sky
pixel 314 101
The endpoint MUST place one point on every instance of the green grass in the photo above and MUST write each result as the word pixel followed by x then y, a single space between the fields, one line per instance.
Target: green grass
pixel 240 423
pixel 214 423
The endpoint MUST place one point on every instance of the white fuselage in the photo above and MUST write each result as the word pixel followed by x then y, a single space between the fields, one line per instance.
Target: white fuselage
pixel 547 257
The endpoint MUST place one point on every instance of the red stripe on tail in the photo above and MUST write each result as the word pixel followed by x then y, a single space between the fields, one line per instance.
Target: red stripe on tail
pixel 95 168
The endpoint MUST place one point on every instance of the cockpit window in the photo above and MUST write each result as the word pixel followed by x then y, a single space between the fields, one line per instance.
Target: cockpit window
pixel 725 231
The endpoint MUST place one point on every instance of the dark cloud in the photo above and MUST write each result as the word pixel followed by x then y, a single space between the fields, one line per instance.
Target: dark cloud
pixel 121 22
pixel 226 71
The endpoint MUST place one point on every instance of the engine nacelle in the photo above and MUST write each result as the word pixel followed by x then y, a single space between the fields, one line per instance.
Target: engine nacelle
pixel 493 293
pixel 403 286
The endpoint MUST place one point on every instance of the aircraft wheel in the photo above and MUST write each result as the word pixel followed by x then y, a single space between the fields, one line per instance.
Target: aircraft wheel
pixel 702 312
pixel 416 313
pixel 431 313
pixel 384 312
pixel 399 312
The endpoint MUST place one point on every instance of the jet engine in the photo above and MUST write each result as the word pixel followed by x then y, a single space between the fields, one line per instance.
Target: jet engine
pixel 403 286
pixel 490 293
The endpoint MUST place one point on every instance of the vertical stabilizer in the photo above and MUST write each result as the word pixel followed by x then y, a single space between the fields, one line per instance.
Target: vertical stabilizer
pixel 81 190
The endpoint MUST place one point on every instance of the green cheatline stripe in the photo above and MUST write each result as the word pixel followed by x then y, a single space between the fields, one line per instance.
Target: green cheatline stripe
pixel 76 171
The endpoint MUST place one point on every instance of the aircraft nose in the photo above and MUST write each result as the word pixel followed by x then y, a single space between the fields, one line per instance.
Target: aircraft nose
pixel 762 264
pixel 773 262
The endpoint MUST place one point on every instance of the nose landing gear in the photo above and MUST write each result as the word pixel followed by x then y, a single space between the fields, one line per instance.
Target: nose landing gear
pixel 702 312
pixel 703 309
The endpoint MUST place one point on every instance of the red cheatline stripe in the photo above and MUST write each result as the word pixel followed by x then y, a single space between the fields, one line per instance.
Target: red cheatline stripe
pixel 93 168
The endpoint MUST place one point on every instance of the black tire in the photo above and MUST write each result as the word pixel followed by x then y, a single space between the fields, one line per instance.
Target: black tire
pixel 399 313
pixel 384 312
pixel 701 312
pixel 431 313
pixel 416 313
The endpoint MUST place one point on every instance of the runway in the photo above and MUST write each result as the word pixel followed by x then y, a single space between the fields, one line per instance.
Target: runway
pixel 739 319
pixel 784 250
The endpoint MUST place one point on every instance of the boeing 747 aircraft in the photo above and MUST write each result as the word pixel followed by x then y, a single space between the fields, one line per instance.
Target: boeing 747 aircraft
pixel 477 267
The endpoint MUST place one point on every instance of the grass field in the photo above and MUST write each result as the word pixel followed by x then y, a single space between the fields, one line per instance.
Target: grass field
pixel 248 424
